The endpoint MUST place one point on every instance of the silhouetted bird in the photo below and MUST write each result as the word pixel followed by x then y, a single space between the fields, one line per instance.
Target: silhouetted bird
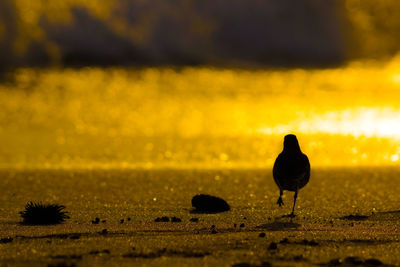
pixel 291 169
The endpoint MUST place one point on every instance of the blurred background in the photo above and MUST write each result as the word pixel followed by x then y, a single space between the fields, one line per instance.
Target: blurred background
pixel 194 83
pixel 192 32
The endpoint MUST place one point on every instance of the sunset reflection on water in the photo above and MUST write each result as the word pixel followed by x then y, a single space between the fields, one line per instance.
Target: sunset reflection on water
pixel 199 117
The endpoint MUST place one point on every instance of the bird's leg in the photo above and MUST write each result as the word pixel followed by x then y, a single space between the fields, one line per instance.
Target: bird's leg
pixel 294 203
pixel 280 201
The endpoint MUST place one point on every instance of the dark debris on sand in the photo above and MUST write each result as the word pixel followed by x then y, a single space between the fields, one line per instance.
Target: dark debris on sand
pixel 6 240
pixel 103 232
pixel 168 253
pixel 43 214
pixel 356 217
pixel 279 226
pixel 354 261
pixel 175 219
pixel 273 246
pixel 168 219
pixel 73 256
pixel 97 252
pixel 162 219
pixel 245 264
pixel 62 264
pixel 209 204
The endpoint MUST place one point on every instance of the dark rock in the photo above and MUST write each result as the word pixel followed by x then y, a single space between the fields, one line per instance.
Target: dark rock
pixel 77 236
pixel 175 219
pixel 242 264
pixel 373 262
pixel 96 252
pixel 129 218
pixel 194 219
pixel 353 260
pixel 241 225
pixel 162 219
pixel 234 225
pixel 355 217
pixel 6 240
pixel 121 221
pixel 104 232
pixel 335 262
pixel 73 256
pixel 245 264
pixel 209 204
pixel 62 264
pixel 273 246
pixel 103 221
pixel 261 235
pixel 284 241
pixel 96 221
pixel 309 243
pixel 298 258
pixel 213 231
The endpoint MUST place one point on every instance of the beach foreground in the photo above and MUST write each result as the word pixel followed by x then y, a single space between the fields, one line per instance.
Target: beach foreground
pixel 341 213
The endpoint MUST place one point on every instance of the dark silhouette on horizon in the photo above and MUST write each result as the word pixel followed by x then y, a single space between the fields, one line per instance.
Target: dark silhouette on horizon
pixel 291 169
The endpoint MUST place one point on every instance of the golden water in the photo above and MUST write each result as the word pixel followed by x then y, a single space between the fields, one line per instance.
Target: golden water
pixel 199 117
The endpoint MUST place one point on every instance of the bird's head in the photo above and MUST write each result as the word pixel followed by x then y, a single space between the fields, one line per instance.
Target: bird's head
pixel 290 143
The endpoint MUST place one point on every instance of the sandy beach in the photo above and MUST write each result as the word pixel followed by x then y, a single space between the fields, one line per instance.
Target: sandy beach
pixel 357 215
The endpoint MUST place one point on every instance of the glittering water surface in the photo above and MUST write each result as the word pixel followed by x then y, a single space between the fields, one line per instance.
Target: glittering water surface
pixel 198 117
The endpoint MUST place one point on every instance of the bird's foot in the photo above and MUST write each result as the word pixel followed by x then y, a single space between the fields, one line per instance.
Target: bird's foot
pixel 280 202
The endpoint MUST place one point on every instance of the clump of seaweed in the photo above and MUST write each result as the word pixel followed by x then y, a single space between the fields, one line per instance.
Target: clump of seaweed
pixel 43 214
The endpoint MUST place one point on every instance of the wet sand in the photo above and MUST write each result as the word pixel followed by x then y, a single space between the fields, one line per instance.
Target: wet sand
pixel 347 216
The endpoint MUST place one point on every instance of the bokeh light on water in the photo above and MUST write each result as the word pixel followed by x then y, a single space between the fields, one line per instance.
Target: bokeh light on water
pixel 199 117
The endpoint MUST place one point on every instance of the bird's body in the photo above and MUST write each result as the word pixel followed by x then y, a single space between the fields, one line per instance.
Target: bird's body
pixel 291 169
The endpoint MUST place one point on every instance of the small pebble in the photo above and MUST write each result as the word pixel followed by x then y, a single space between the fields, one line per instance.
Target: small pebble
pixel 104 232
pixel 242 225
pixel 353 260
pixel 121 221
pixel 335 262
pixel 129 218
pixel 284 241
pixel 6 240
pixel 175 219
pixel 262 235
pixel 162 219
pixel 213 231
pixel 194 219
pixel 373 262
pixel 273 246
pixel 96 221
